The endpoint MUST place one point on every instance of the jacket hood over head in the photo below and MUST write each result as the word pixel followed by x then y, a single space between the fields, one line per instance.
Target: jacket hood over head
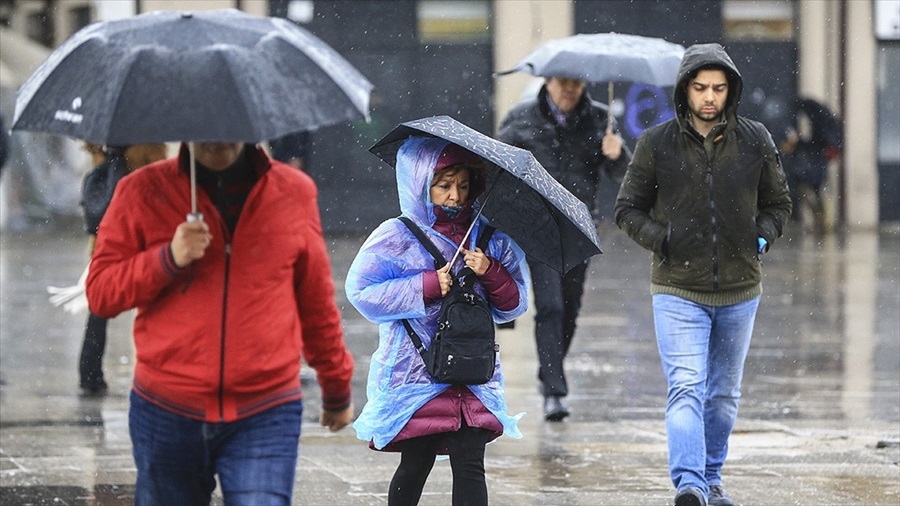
pixel 416 161
pixel 703 55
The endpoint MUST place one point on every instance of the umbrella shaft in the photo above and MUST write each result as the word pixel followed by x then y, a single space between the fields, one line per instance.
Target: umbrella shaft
pixel 193 165
pixel 472 225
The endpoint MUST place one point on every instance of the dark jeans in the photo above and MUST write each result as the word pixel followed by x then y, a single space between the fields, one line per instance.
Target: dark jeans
pixel 90 366
pixel 466 450
pixel 557 299
pixel 178 458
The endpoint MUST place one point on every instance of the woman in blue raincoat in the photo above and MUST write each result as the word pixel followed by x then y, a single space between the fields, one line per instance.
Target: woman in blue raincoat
pixel 392 278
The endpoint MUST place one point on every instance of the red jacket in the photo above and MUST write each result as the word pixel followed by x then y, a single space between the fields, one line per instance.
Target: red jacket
pixel 222 339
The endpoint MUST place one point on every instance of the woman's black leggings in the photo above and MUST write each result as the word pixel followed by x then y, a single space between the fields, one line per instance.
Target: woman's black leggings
pixel 466 450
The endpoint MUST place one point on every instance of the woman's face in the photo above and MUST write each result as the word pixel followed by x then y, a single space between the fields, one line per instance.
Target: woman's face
pixel 450 186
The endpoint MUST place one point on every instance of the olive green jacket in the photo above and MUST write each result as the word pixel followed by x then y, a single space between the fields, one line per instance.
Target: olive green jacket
pixel 699 204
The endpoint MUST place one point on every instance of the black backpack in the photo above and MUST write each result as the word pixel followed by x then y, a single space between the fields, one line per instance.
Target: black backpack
pixel 463 350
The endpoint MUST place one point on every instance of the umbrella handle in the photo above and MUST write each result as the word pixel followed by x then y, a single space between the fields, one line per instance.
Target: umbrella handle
pixel 192 217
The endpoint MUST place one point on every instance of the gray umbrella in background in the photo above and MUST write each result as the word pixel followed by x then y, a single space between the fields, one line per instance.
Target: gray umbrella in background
pixel 605 57
pixel 521 198
pixel 164 76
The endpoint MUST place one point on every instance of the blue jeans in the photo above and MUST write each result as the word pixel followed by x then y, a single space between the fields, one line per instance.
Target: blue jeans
pixel 177 458
pixel 702 350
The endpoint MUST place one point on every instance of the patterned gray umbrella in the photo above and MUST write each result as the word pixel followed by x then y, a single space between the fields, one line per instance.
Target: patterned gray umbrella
pixel 522 199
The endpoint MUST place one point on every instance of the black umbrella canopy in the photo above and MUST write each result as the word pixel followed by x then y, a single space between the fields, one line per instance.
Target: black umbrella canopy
pixel 207 76
pixel 522 199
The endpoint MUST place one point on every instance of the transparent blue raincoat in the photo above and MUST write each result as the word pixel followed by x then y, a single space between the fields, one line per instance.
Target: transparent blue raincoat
pixel 385 285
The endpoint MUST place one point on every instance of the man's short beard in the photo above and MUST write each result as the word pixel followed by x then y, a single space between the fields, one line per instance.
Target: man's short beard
pixel 717 117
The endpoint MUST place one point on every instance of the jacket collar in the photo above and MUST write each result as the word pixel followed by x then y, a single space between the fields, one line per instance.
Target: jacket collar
pixel 582 108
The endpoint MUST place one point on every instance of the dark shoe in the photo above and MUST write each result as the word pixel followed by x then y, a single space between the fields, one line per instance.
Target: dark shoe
pixel 554 409
pixel 690 496
pixel 94 390
pixel 717 496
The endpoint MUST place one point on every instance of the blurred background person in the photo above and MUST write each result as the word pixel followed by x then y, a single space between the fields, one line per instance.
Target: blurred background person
pixel 110 165
pixel 572 137
pixel 814 139
pixel 292 149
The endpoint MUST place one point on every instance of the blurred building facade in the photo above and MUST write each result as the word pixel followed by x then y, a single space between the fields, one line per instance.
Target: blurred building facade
pixel 430 57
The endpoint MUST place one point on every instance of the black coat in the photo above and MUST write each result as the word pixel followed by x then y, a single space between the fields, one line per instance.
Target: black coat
pixel 97 190
pixel 571 154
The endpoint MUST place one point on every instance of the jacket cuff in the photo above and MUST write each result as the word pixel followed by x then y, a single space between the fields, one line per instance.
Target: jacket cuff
pixel 337 403
pixel 431 287
pixel 167 258
pixel 493 270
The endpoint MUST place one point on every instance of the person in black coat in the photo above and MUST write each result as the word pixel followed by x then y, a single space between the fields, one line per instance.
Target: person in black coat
pixel 573 138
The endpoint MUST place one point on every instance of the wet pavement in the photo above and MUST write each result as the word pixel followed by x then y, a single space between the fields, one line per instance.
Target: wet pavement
pixel 819 422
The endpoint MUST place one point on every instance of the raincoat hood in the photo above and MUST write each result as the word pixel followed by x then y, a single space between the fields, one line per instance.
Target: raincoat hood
pixel 416 160
pixel 702 55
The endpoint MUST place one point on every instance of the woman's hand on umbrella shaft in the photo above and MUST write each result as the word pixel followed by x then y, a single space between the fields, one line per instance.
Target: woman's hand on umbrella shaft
pixel 477 261
pixel 190 242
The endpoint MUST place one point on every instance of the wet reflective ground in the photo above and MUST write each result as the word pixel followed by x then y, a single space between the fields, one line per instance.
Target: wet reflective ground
pixel 819 420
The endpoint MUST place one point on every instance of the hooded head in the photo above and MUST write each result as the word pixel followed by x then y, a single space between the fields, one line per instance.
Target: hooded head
pixel 707 56
pixel 418 159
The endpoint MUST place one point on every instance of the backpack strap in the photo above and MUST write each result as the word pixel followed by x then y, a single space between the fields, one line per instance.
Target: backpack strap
pixel 416 340
pixel 439 260
pixel 485 237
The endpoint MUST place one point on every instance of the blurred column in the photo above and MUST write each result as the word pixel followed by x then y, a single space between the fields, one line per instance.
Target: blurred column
pixel 859 312
pixel 819 64
pixel 860 116
pixel 519 26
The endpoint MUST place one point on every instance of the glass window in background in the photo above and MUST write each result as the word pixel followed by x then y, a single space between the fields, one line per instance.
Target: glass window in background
pixel 759 20
pixel 443 21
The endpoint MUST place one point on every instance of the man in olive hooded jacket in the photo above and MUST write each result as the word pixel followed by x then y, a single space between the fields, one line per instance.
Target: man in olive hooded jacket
pixel 706 194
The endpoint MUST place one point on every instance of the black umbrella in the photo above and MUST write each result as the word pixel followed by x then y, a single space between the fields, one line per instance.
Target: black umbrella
pixel 163 76
pixel 522 199
pixel 207 76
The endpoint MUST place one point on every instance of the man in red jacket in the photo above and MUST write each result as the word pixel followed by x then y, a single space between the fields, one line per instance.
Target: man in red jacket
pixel 227 306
